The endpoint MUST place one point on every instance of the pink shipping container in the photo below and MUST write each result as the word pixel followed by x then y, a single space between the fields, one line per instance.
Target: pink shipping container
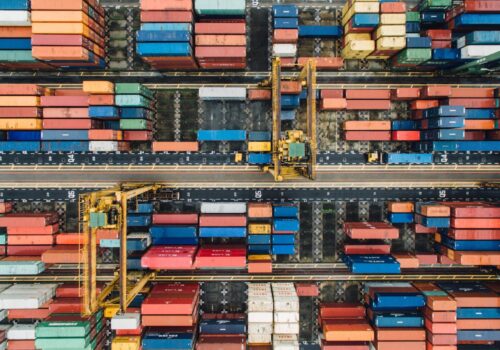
pixel 223 220
pixel 175 219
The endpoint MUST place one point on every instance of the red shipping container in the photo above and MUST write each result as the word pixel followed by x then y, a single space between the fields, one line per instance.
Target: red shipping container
pixel 220 28
pixel 332 93
pixel 425 104
pixel 167 16
pixel 221 256
pixel 367 249
pixel 368 105
pixel 440 303
pixel 5 207
pixel 28 239
pixel 67 40
pixel 175 219
pixel 442 339
pixel 323 63
pixel 137 135
pixel 66 113
pixel 397 334
pixel 472 92
pixel 440 328
pixel 362 94
pixel 171 5
pixel 333 104
pixel 291 87
pixel 35 230
pixel 370 230
pixel 307 289
pixel 105 135
pixel 406 260
pixel 28 314
pixel 441 44
pixel 21 345
pixel 15 32
pixel 367 125
pixel 27 250
pixel 101 100
pixel 28 219
pixel 427 258
pixel 168 306
pixel 440 316
pixel 129 332
pixel 477 258
pixel 393 7
pixel 178 289
pixel 398 345
pixel 223 220
pixel 326 345
pixel 413 135
pixel 70 124
pixel 64 101
pixel 65 306
pixel 367 136
pixel 285 35
pixel 406 94
pixel 465 235
pixel 221 51
pixel 169 258
pixel 493 135
pixel 259 94
pixel 493 324
pixel 472 102
pixel 20 112
pixel 21 90
pixel 260 266
pixel 475 135
pixel 69 92
pixel 425 230
pixel 436 91
pixel 341 310
pixel 478 209
pixel 438 34
pixel 475 223
pixel 435 210
pixel 481 6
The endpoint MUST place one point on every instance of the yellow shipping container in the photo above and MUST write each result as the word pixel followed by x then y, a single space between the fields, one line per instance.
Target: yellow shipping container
pixel 356 36
pixel 126 343
pixel 393 18
pixel 359 7
pixel 259 257
pixel 19 101
pixel 358 49
pixel 390 30
pixel 391 43
pixel 259 229
pixel 20 124
pixel 60 28
pixel 99 87
pixel 259 146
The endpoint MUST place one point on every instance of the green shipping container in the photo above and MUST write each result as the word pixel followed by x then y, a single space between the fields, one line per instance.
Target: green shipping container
pixel 435 4
pixel 46 344
pixel 132 89
pixel 77 329
pixel 133 124
pixel 412 16
pixel 220 7
pixel 414 56
pixel 17 56
pixel 21 267
pixel 297 150
pixel 98 220
pixel 3 239
pixel 132 101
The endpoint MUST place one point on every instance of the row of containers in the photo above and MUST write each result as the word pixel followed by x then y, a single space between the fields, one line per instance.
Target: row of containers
pixel 208 34
pixel 417 316
pixel 104 117
pixel 250 236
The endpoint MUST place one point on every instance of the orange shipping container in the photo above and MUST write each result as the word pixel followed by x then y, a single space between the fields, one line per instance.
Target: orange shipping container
pixel 367 125
pixel 362 94
pixel 260 267
pixel 406 260
pixel 19 101
pixel 70 239
pixel 435 210
pixel 101 100
pixel 406 94
pixel 395 334
pixel 478 324
pixel 436 91
pixel 291 87
pixel 170 5
pixel 332 93
pixel 424 104
pixel 475 223
pixel 98 87
pixel 30 240
pixel 369 105
pixel 401 207
pixel 479 124
pixel 225 52
pixel 5 207
pixel 472 92
pixel 393 7
pixel 286 35
pixel 61 16
pixel 220 28
pixel 15 32
pixel 259 94
pixel 367 135
pixel 105 135
pixel 62 255
pixel 333 104
pixel 61 28
pixel 60 53
pixel 398 345
pixel 20 124
pixel 260 210
pixel 220 40
pixel 162 146
pixel 441 303
pixel 323 63
pixel 473 102
pixel 21 89
pixel 60 5
pixel 348 331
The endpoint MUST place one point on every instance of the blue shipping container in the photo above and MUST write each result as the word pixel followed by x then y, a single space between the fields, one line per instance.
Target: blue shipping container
pixel 403 125
pixel 401 218
pixel 158 339
pixel 478 113
pixel 259 158
pixel 288 114
pixel 283 239
pixel 479 38
pixel 365 20
pixel 443 134
pixel 478 313
pixel 175 240
pixel 19 146
pixel 164 36
pixel 413 27
pixel 407 158
pixel 445 111
pixel 259 136
pixel 15 5
pixel 467 20
pixel 443 122
pixel 24 135
pixel 259 249
pixel 167 27
pixel 164 49
pixel 470 245
pixel 15 44
pixel 478 335
pixel 433 221
pixel 227 326
pixel 283 249
pixel 445 54
pixel 259 239
pixel 135 113
pixel 290 101
pixel 73 135
pixel 104 112
pixel 222 135
pixel 315 31
pixel 142 208
pixel 138 220
pixel 173 231
pixel 372 264
pixel 223 232
pixel 398 320
pixel 286 23
pixel 286 225
pixel 384 301
pixel 285 211
pixel 65 146
pixel 433 17
pixel 285 11
pixel 422 42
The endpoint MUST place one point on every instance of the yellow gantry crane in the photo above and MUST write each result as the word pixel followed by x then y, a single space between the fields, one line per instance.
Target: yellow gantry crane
pixel 107 209
pixel 294 151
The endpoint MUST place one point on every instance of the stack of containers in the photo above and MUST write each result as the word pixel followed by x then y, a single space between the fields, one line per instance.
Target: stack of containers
pixel 259 147
pixel 443 55
pixel 390 35
pixel 66 250
pixel 440 317
pixel 223 225
pixel 227 255
pixel 175 240
pixel 69 330
pixel 222 331
pixel 363 130
pixel 418 47
pixel 395 311
pixel 286 33
pixel 259 237
pixel 477 312
pixel 175 307
pixel 29 234
pixel 137 105
pixel 128 330
pixel 20 116
pixel 400 212
pixel 430 214
pixel 404 130
pixel 102 107
pixel 63 133
pixel 443 123
pixel 286 316
pixel 15 35
pixel 68 33
pixel 360 19
pixel 364 261
pixel 165 39
pixel 5 208
pixel 260 314
pixel 138 238
pixel 473 237
pixel 291 92
pixel 285 226
pixel 221 34
pixel 344 326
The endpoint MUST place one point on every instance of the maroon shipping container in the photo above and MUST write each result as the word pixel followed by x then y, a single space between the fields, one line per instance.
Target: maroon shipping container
pixel 367 249
pixel 64 101
pixel 137 135
pixel 475 135
pixel 175 219
pixel 220 28
pixel 69 124
pixel 362 94
pixel 223 220
pixel 20 112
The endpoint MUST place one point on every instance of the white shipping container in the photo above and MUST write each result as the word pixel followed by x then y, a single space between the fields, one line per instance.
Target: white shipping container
pixel 260 304
pixel 104 146
pixel 223 93
pixel 259 338
pixel 369 285
pixel 26 296
pixel 21 332
pixel 260 328
pixel 478 51
pixel 286 317
pixel 285 337
pixel 284 50
pixel 126 321
pixel 15 18
pixel 287 304
pixel 286 345
pixel 223 208
pixel 286 328
pixel 260 317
